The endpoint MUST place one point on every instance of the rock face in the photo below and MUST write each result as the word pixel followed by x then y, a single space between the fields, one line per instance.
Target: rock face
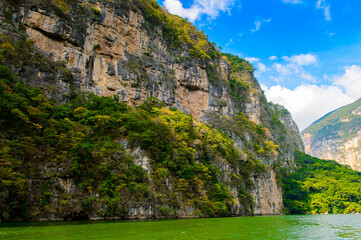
pixel 114 52
pixel 267 195
pixel 337 136
pixel 129 61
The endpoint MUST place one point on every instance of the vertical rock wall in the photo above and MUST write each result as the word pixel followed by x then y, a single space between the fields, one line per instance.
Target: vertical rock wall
pixel 115 54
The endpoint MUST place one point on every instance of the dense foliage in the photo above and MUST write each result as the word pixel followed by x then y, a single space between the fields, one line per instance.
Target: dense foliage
pixel 238 82
pixel 178 31
pixel 320 186
pixel 238 64
pixel 92 140
pixel 95 156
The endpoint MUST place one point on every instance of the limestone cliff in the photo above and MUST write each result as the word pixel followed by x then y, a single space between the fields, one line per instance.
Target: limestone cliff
pixel 337 136
pixel 136 50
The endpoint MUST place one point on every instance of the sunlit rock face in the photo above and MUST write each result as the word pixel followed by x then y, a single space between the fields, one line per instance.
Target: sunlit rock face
pixel 115 52
pixel 337 136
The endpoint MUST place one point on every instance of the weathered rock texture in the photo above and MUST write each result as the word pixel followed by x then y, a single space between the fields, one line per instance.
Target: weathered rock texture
pixel 337 136
pixel 115 52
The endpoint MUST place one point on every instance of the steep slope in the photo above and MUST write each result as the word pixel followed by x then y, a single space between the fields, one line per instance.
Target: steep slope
pixel 134 51
pixel 321 186
pixel 337 136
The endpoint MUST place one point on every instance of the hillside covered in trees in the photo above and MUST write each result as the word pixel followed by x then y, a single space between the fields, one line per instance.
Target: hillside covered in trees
pixel 117 109
pixel 91 139
pixel 321 186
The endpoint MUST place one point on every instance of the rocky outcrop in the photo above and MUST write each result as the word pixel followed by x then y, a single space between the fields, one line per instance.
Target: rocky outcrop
pixel 115 51
pixel 337 136
pixel 116 55
pixel 267 194
pixel 287 133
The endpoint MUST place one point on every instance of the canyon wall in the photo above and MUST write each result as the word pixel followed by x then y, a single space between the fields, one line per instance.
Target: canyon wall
pixel 337 136
pixel 111 48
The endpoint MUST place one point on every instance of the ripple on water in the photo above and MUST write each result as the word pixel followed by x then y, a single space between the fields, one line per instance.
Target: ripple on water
pixel 270 227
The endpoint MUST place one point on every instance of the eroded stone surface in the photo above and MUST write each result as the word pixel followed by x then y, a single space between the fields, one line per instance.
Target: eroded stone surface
pixel 116 55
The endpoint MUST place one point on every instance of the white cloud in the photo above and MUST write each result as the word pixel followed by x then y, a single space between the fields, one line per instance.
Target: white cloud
pixel 176 7
pixel 293 68
pixel 350 81
pixel 273 58
pixel 211 8
pixel 261 68
pixel 229 43
pixel 307 103
pixel 252 59
pixel 308 77
pixel 302 59
pixel 258 24
pixel 292 1
pixel 323 5
pixel 283 69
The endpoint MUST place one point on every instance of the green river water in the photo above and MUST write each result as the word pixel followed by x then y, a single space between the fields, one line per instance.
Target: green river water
pixel 270 227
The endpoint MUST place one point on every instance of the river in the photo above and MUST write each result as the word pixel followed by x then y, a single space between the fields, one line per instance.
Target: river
pixel 267 227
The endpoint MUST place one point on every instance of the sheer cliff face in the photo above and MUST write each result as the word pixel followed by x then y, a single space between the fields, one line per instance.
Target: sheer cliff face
pixel 337 136
pixel 115 52
pixel 118 55
pixel 344 151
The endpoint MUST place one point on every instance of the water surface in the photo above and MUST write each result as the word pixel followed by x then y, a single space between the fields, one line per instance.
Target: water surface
pixel 270 227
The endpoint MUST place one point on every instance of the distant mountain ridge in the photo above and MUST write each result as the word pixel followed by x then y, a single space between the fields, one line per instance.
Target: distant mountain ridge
pixel 337 136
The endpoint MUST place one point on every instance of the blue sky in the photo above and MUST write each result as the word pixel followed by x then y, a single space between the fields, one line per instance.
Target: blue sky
pixel 307 52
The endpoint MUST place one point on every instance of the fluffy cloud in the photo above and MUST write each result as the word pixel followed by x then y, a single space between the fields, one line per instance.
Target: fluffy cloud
pixel 252 59
pixel 176 7
pixel 261 68
pixel 258 24
pixel 284 69
pixel 309 102
pixel 211 8
pixel 302 59
pixel 350 81
pixel 323 5
pixel 308 77
pixel 292 1
pixel 294 67
pixel 273 58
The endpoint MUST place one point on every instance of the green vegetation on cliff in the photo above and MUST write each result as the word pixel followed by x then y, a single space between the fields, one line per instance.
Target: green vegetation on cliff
pixel 321 186
pixel 177 31
pixel 341 123
pixel 92 140
pixel 67 154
